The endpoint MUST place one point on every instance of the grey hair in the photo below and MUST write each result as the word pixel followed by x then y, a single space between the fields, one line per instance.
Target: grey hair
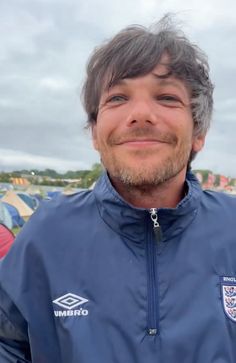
pixel 135 51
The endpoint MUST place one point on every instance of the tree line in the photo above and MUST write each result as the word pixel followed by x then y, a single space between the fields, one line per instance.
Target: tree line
pixel 79 178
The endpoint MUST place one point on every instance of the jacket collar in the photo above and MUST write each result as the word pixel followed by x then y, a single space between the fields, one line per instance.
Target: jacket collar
pixel 131 222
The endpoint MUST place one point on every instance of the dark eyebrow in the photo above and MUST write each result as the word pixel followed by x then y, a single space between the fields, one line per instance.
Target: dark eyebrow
pixel 118 82
pixel 123 81
pixel 164 80
pixel 162 76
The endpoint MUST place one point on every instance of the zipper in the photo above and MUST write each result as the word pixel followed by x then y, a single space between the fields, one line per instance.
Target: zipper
pixel 156 225
pixel 153 313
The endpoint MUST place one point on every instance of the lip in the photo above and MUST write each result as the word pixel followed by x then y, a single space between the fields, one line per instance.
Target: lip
pixel 141 143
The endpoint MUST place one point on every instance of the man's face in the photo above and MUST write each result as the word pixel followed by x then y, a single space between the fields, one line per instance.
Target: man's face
pixel 144 129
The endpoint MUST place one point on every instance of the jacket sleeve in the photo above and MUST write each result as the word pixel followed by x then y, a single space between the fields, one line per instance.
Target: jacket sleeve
pixel 20 284
pixel 14 345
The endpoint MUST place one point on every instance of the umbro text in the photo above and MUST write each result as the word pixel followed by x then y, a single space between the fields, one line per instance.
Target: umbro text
pixel 61 313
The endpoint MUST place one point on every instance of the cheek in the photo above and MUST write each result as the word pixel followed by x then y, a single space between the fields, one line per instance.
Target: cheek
pixel 178 121
pixel 106 126
pixel 101 136
pixel 186 127
pixel 185 137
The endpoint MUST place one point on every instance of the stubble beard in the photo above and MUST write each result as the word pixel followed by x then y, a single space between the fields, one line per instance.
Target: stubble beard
pixel 147 174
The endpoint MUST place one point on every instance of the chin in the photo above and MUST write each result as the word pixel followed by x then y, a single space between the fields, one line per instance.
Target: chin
pixel 142 174
pixel 137 177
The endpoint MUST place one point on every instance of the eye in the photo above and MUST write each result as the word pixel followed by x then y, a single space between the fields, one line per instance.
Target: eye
pixel 168 98
pixel 117 98
pixel 171 100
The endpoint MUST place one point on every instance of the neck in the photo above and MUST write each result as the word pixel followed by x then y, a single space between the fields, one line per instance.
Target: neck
pixel 165 195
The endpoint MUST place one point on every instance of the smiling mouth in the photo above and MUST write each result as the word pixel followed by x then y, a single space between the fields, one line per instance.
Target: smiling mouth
pixel 142 142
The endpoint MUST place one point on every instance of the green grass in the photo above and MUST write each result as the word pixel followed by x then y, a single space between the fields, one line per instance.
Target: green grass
pixel 16 230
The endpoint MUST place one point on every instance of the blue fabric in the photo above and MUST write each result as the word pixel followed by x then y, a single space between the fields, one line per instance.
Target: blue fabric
pixel 5 216
pixel 17 220
pixel 94 245
pixel 53 194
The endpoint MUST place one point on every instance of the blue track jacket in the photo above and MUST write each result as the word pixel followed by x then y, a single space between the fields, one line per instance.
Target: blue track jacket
pixel 91 279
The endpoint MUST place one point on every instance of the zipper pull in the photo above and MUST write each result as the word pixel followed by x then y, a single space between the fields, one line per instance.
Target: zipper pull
pixel 156 226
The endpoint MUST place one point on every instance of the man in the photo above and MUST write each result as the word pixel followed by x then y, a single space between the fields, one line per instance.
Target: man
pixel 138 269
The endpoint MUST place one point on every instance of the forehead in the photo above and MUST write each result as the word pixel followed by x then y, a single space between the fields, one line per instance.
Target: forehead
pixel 160 76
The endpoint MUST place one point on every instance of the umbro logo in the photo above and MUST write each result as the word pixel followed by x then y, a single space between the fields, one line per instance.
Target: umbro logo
pixel 69 302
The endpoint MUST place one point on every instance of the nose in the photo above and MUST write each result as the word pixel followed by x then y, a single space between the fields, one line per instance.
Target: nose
pixel 141 112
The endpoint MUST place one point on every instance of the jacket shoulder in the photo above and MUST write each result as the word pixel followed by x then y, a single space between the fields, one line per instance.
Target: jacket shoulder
pixel 51 220
pixel 58 208
pixel 219 202
pixel 219 197
pixel 61 204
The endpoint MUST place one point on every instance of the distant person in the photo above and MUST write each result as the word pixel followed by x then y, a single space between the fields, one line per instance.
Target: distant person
pixel 139 269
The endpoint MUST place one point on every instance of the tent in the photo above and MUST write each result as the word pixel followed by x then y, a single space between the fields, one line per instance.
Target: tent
pixel 6 240
pixel 17 220
pixel 30 201
pixel 12 198
pixel 5 216
pixel 38 197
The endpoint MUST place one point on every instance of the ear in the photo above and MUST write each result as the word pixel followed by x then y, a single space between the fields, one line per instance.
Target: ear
pixel 94 136
pixel 198 143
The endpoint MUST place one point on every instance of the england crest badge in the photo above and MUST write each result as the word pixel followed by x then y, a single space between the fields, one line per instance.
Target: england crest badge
pixel 228 286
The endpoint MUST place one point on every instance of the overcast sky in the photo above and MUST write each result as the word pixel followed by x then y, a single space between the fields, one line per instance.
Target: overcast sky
pixel 44 46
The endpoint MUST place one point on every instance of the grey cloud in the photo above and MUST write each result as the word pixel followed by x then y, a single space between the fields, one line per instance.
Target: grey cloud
pixel 44 46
